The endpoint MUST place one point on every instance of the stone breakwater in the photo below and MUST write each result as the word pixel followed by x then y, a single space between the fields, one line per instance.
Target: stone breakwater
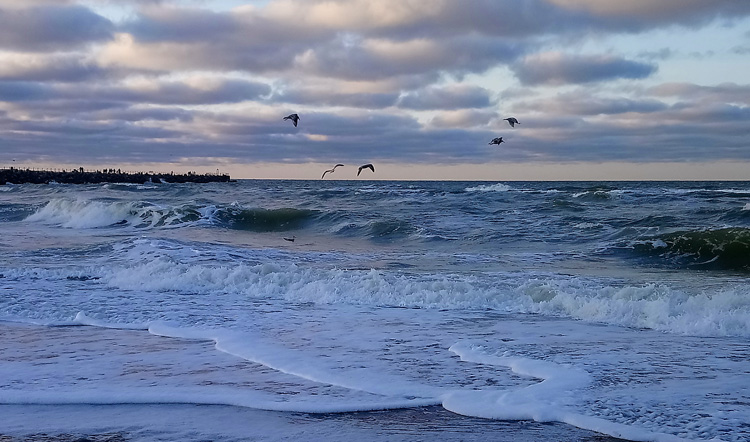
pixel 80 176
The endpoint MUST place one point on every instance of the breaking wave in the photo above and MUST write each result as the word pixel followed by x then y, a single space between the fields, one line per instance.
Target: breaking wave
pixel 719 249
pixel 263 220
pixel 87 214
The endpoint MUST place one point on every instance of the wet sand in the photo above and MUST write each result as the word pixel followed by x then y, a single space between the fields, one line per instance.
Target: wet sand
pixel 117 423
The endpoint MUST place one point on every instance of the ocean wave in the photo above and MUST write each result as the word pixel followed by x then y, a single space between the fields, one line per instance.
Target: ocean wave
pixel 718 249
pixel 14 212
pixel 87 214
pixel 597 195
pixel 499 187
pixel 654 306
pixel 715 312
pixel 263 220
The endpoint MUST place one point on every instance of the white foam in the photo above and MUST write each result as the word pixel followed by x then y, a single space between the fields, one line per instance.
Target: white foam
pixel 499 187
pixel 198 396
pixel 711 313
pixel 83 214
pixel 546 401
pixel 296 363
pixel 87 214
pixel 82 319
pixel 588 225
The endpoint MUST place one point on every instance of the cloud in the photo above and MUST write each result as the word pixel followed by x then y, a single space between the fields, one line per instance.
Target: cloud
pixel 50 67
pixel 446 97
pixel 180 24
pixel 555 68
pixel 49 28
pixel 374 59
pixel 721 93
pixel 198 90
pixel 464 118
pixel 195 91
pixel 325 97
pixel 664 11
pixel 661 54
pixel 584 103
pixel 23 91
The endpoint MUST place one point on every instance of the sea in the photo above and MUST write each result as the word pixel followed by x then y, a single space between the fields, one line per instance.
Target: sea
pixel 375 311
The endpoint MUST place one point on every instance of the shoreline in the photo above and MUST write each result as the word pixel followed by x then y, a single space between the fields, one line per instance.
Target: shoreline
pixel 186 422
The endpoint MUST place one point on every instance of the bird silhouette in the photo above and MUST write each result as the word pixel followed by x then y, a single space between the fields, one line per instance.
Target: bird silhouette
pixel 365 166
pixel 512 121
pixel 497 140
pixel 330 170
pixel 293 117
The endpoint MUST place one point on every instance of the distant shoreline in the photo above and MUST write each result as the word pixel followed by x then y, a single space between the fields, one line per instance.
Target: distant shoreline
pixel 80 176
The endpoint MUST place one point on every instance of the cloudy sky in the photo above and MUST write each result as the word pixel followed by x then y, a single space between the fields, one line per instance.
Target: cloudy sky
pixel 604 89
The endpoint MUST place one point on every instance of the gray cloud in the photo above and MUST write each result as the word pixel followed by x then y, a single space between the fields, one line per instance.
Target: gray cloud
pixel 47 28
pixel 175 92
pixel 447 97
pixel 320 97
pixel 582 103
pixel 558 69
pixel 52 67
pixel 465 118
pixel 661 54
pixel 377 59
pixel 23 91
pixel 210 91
pixel 722 93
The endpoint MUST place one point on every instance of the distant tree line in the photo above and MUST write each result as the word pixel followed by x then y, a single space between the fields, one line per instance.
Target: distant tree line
pixel 81 176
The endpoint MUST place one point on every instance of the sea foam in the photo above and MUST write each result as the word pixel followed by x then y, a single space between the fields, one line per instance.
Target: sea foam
pixel 551 399
pixel 87 214
pixel 725 312
pixel 499 187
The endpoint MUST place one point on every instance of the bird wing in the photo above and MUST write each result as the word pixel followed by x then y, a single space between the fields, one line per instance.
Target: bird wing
pixel 365 166
pixel 324 174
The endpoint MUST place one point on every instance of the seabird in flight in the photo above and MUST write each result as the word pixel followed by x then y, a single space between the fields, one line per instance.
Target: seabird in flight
pixel 366 166
pixel 497 140
pixel 512 121
pixel 290 239
pixel 293 117
pixel 330 170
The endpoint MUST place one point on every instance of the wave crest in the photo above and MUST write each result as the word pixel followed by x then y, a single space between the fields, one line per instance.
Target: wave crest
pixel 87 214
pixel 719 249
pixel 263 220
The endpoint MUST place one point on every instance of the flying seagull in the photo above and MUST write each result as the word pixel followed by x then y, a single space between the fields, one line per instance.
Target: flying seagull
pixel 497 140
pixel 512 121
pixel 366 166
pixel 330 170
pixel 293 117
pixel 290 239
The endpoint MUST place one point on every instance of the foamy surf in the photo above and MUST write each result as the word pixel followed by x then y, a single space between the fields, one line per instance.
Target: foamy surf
pixel 549 400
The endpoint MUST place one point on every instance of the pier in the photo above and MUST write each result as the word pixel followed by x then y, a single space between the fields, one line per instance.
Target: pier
pixel 80 176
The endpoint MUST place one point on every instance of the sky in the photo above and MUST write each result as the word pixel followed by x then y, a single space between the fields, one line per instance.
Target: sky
pixel 603 89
